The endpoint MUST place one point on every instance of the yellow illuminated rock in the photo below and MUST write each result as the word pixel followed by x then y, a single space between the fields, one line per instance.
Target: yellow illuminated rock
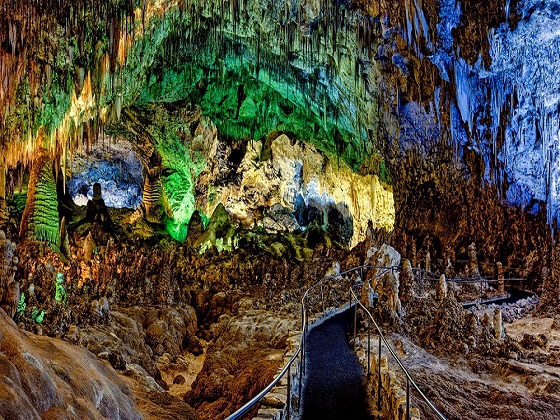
pixel 296 168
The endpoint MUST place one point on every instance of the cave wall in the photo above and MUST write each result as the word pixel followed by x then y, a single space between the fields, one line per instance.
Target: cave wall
pixel 471 142
pixel 454 104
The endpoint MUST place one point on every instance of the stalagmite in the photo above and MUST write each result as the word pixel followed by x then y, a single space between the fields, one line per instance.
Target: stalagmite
pixel 413 252
pixel 498 324
pixel 487 321
pixel 406 281
pixel 368 295
pixel 4 214
pixel 441 292
pixel 501 285
pixel 9 287
pixel 473 261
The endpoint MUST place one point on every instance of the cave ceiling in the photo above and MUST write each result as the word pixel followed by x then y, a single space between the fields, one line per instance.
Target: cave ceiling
pixel 440 99
pixel 253 67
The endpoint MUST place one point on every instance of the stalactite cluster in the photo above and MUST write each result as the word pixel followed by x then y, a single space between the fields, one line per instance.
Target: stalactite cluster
pixel 49 51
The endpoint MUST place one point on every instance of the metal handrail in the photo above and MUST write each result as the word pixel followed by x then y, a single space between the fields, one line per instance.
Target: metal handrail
pixel 245 408
pixel 301 350
pixel 410 380
pixel 479 279
pixel 483 280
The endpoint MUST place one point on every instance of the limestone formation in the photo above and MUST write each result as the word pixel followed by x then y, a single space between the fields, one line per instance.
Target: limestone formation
pixel 473 261
pixel 406 279
pixel 441 292
pixel 386 282
pixel 281 135
pixel 246 367
pixel 368 295
pixel 88 249
pixel 299 185
pixel 47 378
pixel 501 285
pixel 9 287
pixel 498 324
pixel 428 261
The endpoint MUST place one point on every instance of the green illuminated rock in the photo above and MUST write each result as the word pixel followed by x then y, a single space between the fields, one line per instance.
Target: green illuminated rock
pixel 40 217
pixel 60 291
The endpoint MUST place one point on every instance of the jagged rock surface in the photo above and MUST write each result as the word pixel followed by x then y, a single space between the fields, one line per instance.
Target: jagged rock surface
pixel 244 358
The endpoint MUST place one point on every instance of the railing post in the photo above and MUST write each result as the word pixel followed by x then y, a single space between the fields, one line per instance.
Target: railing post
pixel 368 347
pixel 300 380
pixel 407 398
pixel 322 299
pixel 355 322
pixel 306 313
pixel 303 344
pixel 379 376
pixel 303 331
pixel 289 393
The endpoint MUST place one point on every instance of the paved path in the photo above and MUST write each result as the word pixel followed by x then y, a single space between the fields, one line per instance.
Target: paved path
pixel 333 388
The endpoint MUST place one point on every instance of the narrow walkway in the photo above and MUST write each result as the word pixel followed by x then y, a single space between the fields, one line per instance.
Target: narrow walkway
pixel 333 387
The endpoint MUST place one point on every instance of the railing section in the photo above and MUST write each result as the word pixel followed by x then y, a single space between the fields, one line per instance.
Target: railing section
pixel 327 295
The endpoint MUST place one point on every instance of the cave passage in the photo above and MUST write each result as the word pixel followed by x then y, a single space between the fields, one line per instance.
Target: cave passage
pixel 333 387
pixel 116 166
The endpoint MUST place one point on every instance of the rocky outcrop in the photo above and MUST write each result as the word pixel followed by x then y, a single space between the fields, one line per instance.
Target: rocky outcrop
pixel 47 378
pixel 285 185
pixel 245 357
pixel 9 287
pixel 385 282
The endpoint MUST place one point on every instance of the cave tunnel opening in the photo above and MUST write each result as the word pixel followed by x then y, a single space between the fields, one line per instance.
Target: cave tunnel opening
pixel 116 166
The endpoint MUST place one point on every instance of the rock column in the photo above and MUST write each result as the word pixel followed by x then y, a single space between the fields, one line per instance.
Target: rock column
pixel 441 291
pixel 498 324
pixel 406 279
pixel 473 261
pixel 501 286
pixel 4 214
pixel 428 261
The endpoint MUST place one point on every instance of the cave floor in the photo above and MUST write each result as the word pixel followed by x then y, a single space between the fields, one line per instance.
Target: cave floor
pixel 153 404
pixel 524 386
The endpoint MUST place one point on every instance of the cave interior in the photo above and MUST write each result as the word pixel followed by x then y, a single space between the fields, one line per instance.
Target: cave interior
pixel 176 175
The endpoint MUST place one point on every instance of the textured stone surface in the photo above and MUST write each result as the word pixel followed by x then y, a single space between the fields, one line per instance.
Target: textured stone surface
pixel 116 166
pixel 300 179
pixel 47 378
pixel 244 358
